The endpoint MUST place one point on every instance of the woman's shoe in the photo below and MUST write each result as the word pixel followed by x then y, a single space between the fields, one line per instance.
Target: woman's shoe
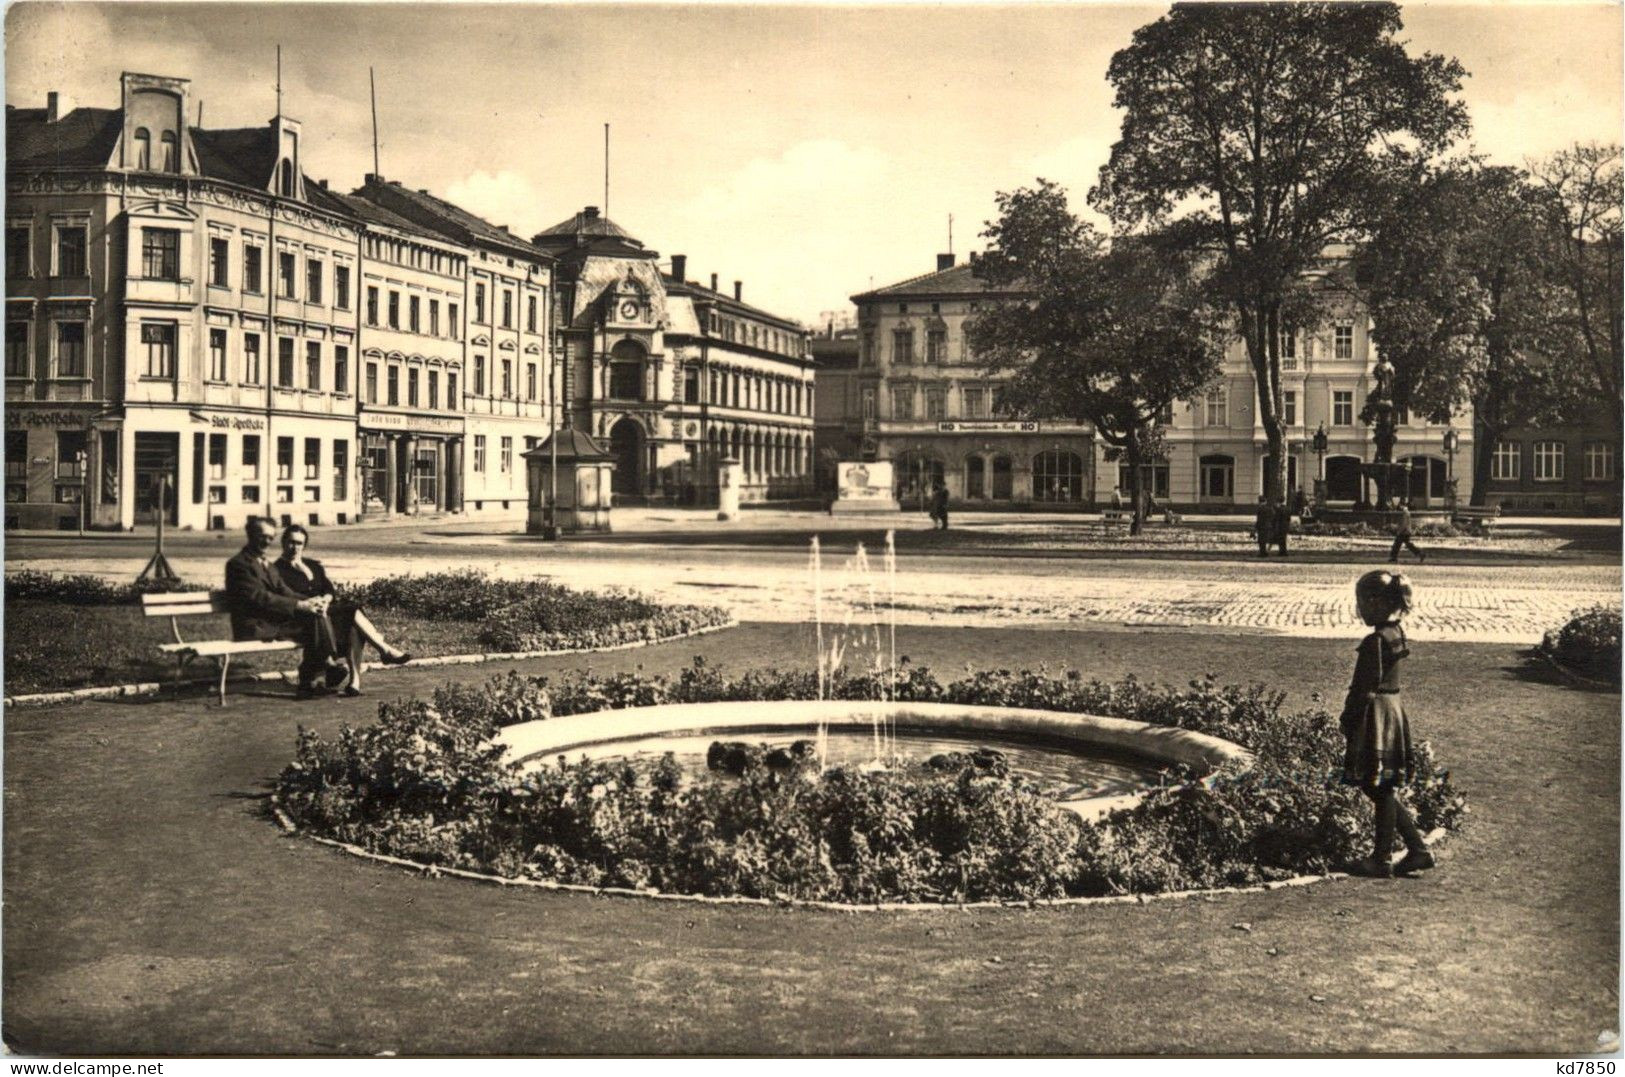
pixel 337 674
pixel 1415 860
pixel 350 691
pixel 399 658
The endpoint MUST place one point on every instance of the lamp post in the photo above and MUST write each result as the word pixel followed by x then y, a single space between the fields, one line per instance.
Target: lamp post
pixel 1452 441
pixel 1320 468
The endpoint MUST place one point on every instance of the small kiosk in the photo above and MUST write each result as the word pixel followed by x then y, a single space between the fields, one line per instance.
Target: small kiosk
pixel 585 470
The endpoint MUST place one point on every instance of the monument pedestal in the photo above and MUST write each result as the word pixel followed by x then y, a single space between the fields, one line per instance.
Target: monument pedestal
pixel 864 486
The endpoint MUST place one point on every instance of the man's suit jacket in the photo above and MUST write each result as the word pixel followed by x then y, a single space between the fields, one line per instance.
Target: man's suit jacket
pixel 262 606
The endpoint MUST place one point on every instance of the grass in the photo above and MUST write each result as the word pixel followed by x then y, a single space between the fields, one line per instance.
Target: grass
pixel 52 646
pixel 151 908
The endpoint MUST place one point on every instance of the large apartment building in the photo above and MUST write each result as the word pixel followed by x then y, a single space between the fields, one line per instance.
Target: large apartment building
pixel 178 305
pixel 917 397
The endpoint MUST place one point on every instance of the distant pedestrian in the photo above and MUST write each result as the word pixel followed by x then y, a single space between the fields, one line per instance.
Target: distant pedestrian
pixel 1117 498
pixel 1300 504
pixel 1402 536
pixel 1283 525
pixel 939 504
pixel 1264 525
pixel 1378 757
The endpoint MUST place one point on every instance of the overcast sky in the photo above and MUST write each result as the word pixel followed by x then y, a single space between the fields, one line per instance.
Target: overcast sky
pixel 811 152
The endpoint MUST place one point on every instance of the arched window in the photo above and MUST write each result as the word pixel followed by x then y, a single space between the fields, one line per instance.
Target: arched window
pixel 975 477
pixel 1002 472
pixel 143 148
pixel 171 157
pixel 1057 476
pixel 285 183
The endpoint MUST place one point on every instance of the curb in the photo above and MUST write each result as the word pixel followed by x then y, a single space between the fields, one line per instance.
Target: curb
pixel 145 688
pixel 1433 838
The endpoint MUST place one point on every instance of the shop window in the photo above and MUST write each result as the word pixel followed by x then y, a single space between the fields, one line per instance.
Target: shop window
pixel 16 465
pixel 70 447
pixel 1057 476
pixel 217 457
pixel 1218 475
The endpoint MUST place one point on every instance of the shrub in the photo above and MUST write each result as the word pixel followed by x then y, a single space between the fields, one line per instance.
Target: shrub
pixel 1588 643
pixel 425 783
pixel 86 590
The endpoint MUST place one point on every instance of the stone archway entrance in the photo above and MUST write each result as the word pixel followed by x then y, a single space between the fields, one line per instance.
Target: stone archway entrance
pixel 626 444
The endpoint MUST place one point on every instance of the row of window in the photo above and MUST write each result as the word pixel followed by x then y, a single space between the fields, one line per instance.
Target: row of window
pixel 505 457
pixel 1548 459
pixel 384 249
pixel 414 314
pixel 392 387
pixel 903 354
pixel 765 337
pixel 532 305
pixel 160 258
pixel 1342 345
pixel 68 250
pixel 158 351
pixel 729 389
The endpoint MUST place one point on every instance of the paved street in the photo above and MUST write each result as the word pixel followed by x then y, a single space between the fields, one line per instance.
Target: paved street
pixel 993 570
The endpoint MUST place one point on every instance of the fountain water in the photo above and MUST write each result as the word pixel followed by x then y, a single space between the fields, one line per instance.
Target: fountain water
pixel 864 635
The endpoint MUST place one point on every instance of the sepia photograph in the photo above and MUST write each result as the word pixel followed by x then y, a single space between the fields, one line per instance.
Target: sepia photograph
pixel 850 530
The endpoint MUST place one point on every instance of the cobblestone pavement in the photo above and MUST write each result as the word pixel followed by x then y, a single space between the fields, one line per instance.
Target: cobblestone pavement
pixel 1464 602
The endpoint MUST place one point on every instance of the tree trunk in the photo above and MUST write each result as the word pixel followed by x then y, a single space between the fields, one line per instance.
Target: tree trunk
pixel 1136 481
pixel 1263 349
pixel 1483 458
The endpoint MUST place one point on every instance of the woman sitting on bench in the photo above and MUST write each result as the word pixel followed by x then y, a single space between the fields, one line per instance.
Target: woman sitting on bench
pixel 351 625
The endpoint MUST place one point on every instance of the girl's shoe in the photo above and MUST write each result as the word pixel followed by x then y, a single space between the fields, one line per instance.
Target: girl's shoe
pixel 1371 868
pixel 399 658
pixel 1415 860
pixel 350 691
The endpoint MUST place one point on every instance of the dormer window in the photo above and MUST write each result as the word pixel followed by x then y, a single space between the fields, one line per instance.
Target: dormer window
pixel 285 182
pixel 171 157
pixel 143 149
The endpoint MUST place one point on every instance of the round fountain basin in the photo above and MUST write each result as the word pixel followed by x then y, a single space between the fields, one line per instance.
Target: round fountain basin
pixel 1095 764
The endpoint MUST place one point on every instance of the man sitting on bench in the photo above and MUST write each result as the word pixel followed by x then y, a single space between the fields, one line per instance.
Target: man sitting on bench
pixel 264 607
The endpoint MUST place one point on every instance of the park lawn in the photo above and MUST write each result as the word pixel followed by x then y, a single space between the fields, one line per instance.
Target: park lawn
pixel 51 646
pixel 229 938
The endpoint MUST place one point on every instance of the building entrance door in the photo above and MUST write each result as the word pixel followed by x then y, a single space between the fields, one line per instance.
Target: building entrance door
pixel 626 442
pixel 426 474
pixel 375 476
pixel 156 455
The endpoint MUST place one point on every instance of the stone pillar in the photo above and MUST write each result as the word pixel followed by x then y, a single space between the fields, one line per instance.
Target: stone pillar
pixel 454 475
pixel 440 476
pixel 392 492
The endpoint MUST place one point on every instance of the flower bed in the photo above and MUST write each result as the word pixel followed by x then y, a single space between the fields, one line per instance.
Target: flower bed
pixel 1588 644
pixel 77 630
pixel 532 615
pixel 426 782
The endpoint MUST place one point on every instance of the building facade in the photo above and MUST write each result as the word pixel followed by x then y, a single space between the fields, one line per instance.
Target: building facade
pixel 181 325
pixel 919 399
pixel 411 377
pixel 914 395
pixel 1570 468
pixel 506 326
pixel 1217 448
pixel 671 376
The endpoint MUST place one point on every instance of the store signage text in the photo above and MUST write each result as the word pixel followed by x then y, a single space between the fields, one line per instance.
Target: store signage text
pixel 986 426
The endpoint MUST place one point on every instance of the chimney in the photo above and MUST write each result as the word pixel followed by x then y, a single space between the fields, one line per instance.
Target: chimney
pixel 739 290
pixel 322 184
pixel 679 267
pixel 591 213
pixel 713 282
pixel 372 178
pixel 945 261
pixel 50 107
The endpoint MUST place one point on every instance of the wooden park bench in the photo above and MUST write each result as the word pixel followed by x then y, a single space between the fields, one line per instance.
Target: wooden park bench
pixel 1482 520
pixel 178 604
pixel 1111 519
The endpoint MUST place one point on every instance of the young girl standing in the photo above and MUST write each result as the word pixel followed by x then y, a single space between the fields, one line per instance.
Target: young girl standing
pixel 1378 758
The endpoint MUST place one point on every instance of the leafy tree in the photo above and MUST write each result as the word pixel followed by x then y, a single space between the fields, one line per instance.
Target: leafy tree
pixel 1106 334
pixel 1466 300
pixel 1584 185
pixel 1259 128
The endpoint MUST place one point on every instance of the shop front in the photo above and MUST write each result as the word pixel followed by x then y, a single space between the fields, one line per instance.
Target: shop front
pixel 411 464
pixel 53 458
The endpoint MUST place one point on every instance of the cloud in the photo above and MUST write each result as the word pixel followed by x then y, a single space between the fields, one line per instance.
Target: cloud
pixel 504 198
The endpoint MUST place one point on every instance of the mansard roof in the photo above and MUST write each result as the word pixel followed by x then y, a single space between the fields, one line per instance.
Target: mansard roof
pixel 954 281
pixel 446 218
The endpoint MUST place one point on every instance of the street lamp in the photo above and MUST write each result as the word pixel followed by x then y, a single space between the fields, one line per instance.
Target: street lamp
pixel 1319 443
pixel 1452 441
